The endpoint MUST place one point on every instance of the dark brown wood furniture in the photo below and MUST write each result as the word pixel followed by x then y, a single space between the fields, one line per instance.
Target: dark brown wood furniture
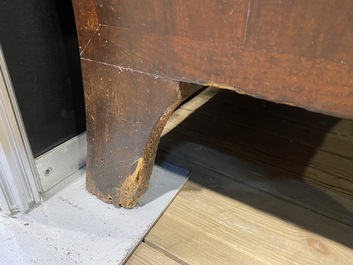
pixel 138 55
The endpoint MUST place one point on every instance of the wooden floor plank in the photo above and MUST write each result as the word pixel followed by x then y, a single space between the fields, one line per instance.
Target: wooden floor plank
pixel 270 145
pixel 328 140
pixel 321 168
pixel 314 175
pixel 240 221
pixel 292 123
pixel 318 122
pixel 248 203
pixel 216 154
pixel 325 203
pixel 194 246
pixel 145 255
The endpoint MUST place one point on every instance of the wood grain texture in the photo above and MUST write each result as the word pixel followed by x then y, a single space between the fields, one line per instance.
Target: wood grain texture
pixel 264 177
pixel 242 211
pixel 285 122
pixel 294 53
pixel 194 246
pixel 86 20
pixel 220 23
pixel 227 229
pixel 298 125
pixel 314 84
pixel 320 29
pixel 272 146
pixel 125 117
pixel 190 136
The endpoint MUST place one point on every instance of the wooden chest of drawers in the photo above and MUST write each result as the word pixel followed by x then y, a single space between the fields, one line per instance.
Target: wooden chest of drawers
pixel 138 57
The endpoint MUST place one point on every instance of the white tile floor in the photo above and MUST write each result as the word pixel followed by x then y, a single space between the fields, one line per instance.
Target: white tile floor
pixel 72 226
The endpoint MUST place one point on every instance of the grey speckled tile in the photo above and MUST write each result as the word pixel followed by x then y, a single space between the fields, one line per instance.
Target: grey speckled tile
pixel 72 226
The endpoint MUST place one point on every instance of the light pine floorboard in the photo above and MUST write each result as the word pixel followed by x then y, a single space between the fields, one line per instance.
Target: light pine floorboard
pixel 270 184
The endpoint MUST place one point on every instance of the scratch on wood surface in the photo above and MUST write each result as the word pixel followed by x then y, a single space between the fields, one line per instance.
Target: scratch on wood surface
pixel 89 41
pixel 247 22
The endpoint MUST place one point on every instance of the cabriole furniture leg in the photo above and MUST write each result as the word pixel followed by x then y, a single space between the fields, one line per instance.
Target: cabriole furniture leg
pixel 126 113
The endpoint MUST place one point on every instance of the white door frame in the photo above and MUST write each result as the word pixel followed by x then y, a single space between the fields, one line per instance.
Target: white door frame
pixel 23 178
pixel 19 182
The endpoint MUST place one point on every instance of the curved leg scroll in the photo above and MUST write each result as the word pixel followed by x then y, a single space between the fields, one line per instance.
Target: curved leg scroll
pixel 126 113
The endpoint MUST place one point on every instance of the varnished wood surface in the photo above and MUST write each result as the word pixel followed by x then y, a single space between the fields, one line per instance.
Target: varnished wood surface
pixel 125 117
pixel 314 84
pixel 86 20
pixel 219 22
pixel 296 53
pixel 241 205
pixel 320 29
